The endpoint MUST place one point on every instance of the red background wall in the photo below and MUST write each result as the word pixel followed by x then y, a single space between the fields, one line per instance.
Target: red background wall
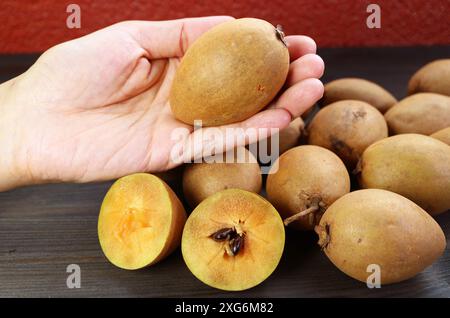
pixel 33 26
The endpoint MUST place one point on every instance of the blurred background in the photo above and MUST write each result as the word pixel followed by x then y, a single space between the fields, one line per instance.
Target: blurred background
pixel 412 32
pixel 31 26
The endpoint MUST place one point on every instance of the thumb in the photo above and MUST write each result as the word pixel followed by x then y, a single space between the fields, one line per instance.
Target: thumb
pixel 165 39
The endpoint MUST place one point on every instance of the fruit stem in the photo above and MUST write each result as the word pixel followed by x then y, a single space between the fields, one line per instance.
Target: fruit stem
pixel 324 235
pixel 297 216
pixel 358 168
pixel 280 34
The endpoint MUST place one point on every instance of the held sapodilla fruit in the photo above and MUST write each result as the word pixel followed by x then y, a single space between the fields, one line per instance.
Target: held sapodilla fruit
pixel 442 135
pixel 433 77
pixel 230 73
pixel 303 182
pixel 141 221
pixel 233 240
pixel 415 166
pixel 240 171
pixel 347 128
pixel 358 89
pixel 422 113
pixel 379 227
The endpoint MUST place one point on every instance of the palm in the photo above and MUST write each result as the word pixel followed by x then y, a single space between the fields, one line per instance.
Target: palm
pixel 102 111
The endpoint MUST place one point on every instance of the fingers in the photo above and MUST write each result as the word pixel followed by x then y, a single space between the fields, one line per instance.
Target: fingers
pixel 214 140
pixel 301 96
pixel 300 45
pixel 307 66
pixel 164 39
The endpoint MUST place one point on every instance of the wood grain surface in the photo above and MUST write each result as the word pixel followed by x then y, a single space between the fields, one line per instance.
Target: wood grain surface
pixel 43 229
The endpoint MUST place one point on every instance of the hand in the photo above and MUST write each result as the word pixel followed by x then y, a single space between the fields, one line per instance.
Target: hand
pixel 96 108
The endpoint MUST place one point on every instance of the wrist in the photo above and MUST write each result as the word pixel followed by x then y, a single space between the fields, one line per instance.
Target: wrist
pixel 11 172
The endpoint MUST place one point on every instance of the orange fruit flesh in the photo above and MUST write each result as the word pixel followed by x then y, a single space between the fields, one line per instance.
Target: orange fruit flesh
pixel 135 221
pixel 263 232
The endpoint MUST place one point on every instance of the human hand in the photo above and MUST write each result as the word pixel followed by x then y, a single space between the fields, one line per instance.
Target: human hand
pixel 96 108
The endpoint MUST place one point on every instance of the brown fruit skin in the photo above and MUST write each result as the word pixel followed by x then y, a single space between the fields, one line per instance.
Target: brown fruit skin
pixel 306 173
pixel 230 73
pixel 201 180
pixel 442 135
pixel 288 138
pixel 415 166
pixel 433 77
pixel 358 89
pixel 347 128
pixel 422 113
pixel 379 227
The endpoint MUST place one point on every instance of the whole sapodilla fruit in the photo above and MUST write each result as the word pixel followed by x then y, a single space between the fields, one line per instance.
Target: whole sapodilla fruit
pixel 421 113
pixel 230 73
pixel 358 89
pixel 347 128
pixel 442 135
pixel 378 227
pixel 303 182
pixel 415 166
pixel 241 171
pixel 287 138
pixel 433 77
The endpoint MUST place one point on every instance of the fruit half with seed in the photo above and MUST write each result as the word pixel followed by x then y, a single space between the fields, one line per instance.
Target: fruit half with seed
pixel 233 240
pixel 140 222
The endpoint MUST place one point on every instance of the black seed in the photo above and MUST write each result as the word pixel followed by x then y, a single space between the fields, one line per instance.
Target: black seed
pixel 237 244
pixel 223 234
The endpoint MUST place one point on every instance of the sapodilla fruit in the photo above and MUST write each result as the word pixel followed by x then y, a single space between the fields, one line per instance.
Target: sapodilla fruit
pixel 230 73
pixel 422 113
pixel 233 240
pixel 287 138
pixel 201 180
pixel 434 77
pixel 358 89
pixel 303 182
pixel 347 128
pixel 442 135
pixel 140 221
pixel 413 165
pixel 369 229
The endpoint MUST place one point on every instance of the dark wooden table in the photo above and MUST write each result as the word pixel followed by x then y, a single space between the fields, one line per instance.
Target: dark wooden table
pixel 44 229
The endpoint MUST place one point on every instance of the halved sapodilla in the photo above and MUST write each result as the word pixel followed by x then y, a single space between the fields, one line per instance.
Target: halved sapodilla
pixel 233 240
pixel 307 180
pixel 140 222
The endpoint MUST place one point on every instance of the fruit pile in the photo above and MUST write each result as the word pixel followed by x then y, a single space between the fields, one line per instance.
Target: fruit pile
pixel 234 238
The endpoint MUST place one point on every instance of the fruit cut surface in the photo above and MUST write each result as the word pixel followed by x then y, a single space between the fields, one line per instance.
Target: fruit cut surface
pixel 138 221
pixel 250 215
